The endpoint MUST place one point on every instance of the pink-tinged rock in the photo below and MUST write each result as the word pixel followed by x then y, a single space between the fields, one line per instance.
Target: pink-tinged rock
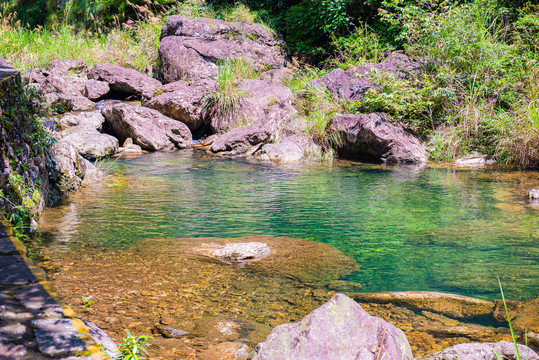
pixel 484 351
pixel 122 80
pixel 62 67
pixel 190 48
pixel 339 329
pixel 95 90
pixel 147 127
pixel 253 106
pixel 352 84
pixel 371 138
pixel 181 101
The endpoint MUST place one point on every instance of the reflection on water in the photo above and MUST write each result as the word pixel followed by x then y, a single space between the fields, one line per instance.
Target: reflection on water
pixel 409 228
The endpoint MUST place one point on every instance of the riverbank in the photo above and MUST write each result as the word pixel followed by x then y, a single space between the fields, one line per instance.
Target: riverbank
pixel 35 321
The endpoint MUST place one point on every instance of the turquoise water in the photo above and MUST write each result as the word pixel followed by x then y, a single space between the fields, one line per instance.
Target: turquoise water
pixel 410 228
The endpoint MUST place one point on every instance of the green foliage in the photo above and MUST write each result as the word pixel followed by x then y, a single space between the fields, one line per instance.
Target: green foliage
pixel 131 348
pixel 222 102
pixel 510 326
pixel 360 46
pixel 87 301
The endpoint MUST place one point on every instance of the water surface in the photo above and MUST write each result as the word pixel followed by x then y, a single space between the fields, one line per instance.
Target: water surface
pixel 410 228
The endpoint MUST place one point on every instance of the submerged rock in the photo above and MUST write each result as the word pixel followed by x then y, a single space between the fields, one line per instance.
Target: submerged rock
pixel 170 332
pixel 484 351
pixel 339 329
pixel 243 251
pixel 455 306
pixel 226 351
pixel 370 137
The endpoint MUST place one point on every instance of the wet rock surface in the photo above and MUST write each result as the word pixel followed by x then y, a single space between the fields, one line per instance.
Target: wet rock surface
pixel 339 329
pixel 454 306
pixel 372 138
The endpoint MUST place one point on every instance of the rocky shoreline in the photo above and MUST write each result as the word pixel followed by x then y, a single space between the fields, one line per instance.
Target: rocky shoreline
pixel 165 111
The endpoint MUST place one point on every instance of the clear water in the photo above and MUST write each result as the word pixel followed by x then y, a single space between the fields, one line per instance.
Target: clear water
pixel 410 228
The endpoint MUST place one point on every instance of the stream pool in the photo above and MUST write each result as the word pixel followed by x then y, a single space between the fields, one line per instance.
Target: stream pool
pixel 409 228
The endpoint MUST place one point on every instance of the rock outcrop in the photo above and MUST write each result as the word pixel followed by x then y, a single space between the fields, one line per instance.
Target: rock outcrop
pixel 352 84
pixel 258 96
pixel 372 138
pixel 191 48
pixel 147 127
pixel 181 101
pixel 339 329
pixel 123 81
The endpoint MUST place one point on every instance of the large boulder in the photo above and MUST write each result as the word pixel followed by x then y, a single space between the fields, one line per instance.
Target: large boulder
pixel 191 48
pixel 484 351
pixel 147 127
pixel 89 142
pixel 95 89
pixel 249 138
pixel 181 101
pixel 123 81
pixel 257 97
pixel 339 329
pixel 371 138
pixel 352 84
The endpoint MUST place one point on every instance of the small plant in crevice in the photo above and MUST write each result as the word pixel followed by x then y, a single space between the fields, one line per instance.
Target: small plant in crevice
pixel 131 348
pixel 221 104
pixel 87 301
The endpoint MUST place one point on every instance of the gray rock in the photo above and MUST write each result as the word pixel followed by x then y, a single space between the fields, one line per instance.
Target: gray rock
pixel 57 337
pixel 147 127
pixel 170 332
pixel 4 62
pixel 9 351
pixel 190 48
pixel 484 351
pixel 122 80
pixel 102 338
pixel 181 101
pixel 12 330
pixel 243 251
pixel 93 119
pixel 70 169
pixel 70 102
pixel 371 138
pixel 89 142
pixel 533 194
pixel 95 90
pixel 287 151
pixel 339 329
pixel 475 160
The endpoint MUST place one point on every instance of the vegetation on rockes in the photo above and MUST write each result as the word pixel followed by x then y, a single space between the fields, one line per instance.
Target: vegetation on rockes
pixel 24 144
pixel 477 88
